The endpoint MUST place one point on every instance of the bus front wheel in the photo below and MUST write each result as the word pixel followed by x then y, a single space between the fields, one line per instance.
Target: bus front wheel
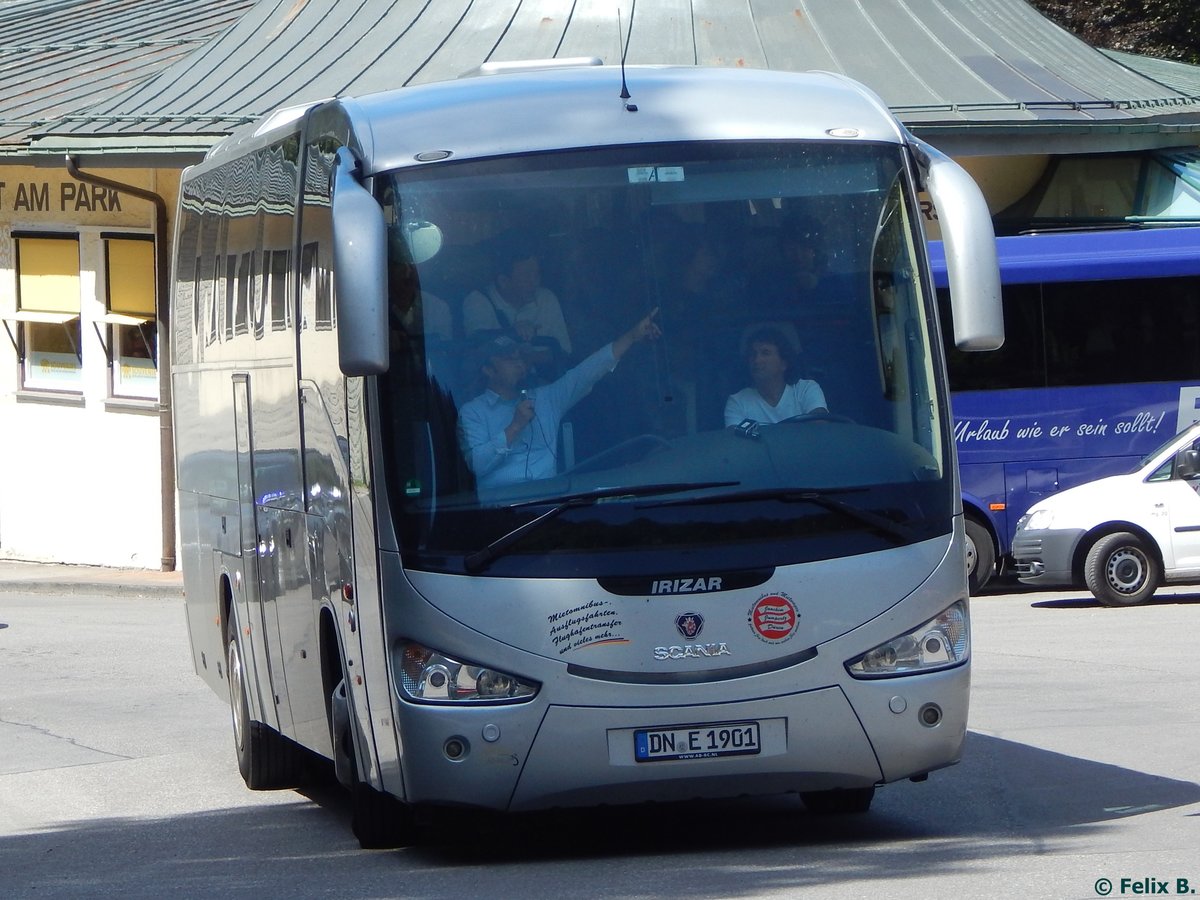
pixel 981 556
pixel 1120 570
pixel 378 820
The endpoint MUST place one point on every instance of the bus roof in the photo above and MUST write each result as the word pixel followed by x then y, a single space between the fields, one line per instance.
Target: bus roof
pixel 564 108
pixel 1089 255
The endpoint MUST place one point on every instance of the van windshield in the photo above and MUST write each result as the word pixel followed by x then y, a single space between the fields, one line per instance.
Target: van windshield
pixel 712 348
pixel 1149 457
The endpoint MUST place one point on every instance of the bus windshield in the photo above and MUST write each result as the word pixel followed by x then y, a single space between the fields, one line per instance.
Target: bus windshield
pixel 720 349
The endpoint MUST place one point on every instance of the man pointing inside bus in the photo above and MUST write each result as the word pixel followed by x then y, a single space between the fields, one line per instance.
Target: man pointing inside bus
pixel 510 435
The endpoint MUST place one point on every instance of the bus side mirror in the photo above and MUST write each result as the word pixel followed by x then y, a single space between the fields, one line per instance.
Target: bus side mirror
pixel 359 272
pixel 972 269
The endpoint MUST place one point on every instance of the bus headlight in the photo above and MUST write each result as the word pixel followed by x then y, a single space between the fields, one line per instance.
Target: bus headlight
pixel 426 675
pixel 940 643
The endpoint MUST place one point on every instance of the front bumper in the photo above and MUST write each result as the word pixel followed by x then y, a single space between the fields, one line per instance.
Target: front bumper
pixel 1044 556
pixel 537 756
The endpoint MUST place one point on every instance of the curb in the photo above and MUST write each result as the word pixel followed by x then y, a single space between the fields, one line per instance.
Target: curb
pixel 53 578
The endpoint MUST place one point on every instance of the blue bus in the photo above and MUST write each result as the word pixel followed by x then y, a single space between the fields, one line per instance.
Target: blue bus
pixel 1100 364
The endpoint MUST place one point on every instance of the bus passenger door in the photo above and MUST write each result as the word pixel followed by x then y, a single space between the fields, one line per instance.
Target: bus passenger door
pixel 250 612
pixel 289 612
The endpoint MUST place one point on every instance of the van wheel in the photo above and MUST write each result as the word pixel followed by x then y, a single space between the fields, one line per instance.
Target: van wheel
pixel 267 760
pixel 1121 571
pixel 981 556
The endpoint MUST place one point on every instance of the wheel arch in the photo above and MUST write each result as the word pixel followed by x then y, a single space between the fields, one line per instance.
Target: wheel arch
pixel 974 516
pixel 332 655
pixel 347 743
pixel 1089 539
pixel 224 604
pixel 974 509
pixel 223 601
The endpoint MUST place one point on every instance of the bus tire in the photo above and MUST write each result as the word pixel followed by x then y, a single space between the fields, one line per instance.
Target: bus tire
pixel 267 760
pixel 1120 570
pixel 981 556
pixel 378 820
pixel 838 802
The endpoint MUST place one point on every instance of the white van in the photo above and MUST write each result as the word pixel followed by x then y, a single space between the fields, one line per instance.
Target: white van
pixel 1121 536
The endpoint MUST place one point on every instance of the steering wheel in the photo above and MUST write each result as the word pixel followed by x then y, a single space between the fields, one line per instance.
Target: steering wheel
pixel 818 416
pixel 654 442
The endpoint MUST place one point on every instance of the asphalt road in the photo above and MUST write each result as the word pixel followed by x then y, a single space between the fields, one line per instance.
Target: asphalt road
pixel 117 778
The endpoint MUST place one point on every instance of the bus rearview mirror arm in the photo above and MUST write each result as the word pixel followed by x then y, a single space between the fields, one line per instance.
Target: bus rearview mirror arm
pixel 972 268
pixel 359 272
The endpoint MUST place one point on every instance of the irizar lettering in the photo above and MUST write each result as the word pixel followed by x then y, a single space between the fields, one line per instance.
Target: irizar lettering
pixel 692 651
pixel 685 585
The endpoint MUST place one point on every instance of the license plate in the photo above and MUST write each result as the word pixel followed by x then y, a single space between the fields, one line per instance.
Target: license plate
pixel 696 741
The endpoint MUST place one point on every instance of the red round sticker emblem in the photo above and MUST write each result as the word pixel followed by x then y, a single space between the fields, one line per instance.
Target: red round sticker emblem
pixel 774 618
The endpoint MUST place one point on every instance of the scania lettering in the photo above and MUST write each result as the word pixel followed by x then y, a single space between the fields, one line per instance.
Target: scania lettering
pixel 692 651
pixel 470 591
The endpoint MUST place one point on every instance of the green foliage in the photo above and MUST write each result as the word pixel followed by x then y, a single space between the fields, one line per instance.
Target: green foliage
pixel 1167 29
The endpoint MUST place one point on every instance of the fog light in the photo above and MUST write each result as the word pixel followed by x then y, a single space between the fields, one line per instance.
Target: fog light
pixel 455 748
pixel 930 714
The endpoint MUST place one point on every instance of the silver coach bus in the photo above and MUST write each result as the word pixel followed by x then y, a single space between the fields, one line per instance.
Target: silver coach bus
pixel 540 446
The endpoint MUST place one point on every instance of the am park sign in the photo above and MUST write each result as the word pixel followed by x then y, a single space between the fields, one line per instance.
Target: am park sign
pixel 42 196
pixel 61 197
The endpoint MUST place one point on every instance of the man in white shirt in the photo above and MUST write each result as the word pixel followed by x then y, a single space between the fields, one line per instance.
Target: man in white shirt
pixel 772 396
pixel 516 300
pixel 510 435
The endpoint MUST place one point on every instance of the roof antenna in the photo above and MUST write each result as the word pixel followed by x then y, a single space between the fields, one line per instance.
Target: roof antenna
pixel 623 41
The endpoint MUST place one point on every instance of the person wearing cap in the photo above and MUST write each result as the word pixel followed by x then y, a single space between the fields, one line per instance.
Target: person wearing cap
pixel 772 396
pixel 510 435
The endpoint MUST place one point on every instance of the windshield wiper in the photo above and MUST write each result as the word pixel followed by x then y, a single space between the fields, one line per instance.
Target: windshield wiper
pixel 817 497
pixel 479 560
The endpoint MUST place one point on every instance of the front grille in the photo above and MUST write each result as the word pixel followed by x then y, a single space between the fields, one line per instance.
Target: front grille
pixel 1025 547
